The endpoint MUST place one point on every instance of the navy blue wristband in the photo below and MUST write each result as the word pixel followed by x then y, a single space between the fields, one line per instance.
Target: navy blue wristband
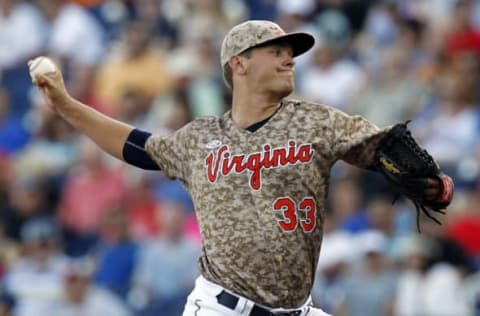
pixel 134 150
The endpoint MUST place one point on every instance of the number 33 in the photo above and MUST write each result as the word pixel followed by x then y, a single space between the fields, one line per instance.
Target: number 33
pixel 291 217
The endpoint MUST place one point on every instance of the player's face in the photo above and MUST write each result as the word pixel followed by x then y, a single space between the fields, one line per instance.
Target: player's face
pixel 271 69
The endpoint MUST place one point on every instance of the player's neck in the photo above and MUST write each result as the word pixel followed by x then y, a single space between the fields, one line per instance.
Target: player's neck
pixel 252 109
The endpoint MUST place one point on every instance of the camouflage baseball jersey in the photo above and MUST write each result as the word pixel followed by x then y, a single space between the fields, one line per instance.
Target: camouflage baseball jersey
pixel 260 196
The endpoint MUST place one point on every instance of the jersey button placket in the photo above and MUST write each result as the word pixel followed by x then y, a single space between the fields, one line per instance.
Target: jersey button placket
pixel 279 258
pixel 265 223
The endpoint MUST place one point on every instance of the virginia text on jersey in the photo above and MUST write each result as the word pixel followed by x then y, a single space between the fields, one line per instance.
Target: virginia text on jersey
pixel 255 162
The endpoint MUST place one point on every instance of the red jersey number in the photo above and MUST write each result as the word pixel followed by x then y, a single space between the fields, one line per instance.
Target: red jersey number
pixel 287 206
pixel 293 214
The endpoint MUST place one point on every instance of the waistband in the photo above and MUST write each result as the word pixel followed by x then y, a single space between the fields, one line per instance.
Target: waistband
pixel 232 300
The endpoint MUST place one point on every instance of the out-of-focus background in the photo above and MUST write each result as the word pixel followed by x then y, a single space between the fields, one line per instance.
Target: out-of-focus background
pixel 82 234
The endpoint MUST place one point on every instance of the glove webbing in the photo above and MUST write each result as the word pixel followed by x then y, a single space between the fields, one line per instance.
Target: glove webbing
pixel 425 211
pixel 419 207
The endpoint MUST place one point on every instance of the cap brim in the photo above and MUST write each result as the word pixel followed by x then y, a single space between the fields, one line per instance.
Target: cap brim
pixel 300 42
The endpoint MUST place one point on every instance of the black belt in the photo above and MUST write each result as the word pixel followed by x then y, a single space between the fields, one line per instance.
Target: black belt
pixel 230 301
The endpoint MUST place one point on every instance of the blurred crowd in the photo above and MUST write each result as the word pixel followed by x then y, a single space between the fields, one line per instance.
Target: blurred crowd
pixel 82 234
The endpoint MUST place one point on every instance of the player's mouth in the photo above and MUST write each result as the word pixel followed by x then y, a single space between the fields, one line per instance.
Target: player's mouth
pixel 289 73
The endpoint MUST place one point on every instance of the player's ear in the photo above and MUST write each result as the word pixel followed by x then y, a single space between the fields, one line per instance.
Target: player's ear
pixel 238 65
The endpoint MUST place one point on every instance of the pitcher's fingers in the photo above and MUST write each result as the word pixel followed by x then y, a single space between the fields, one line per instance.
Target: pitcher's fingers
pixel 431 193
pixel 43 80
pixel 433 183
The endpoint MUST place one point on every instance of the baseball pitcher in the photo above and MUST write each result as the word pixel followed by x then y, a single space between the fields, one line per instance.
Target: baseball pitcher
pixel 259 174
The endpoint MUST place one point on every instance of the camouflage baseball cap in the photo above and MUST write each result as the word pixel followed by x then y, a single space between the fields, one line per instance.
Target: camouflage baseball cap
pixel 255 32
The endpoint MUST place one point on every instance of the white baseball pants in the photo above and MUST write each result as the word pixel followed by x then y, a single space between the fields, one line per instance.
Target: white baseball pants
pixel 203 301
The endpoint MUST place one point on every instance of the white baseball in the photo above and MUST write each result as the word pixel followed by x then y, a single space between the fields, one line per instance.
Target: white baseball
pixel 40 66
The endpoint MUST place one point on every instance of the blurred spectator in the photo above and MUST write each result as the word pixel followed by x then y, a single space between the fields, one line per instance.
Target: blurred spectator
pixel 381 215
pixel 374 271
pixel 294 15
pixel 115 253
pixel 81 298
pixel 13 134
pixel 151 12
pixel 467 67
pixel 168 113
pixel 392 220
pixel 9 252
pixel 141 207
pixel 448 127
pixel 91 190
pixel 212 17
pixel 472 293
pixel 7 304
pixel 6 179
pixel 334 27
pixel 52 150
pixel 167 266
pixel 262 9
pixel 167 190
pixel 27 200
pixel 205 97
pixel 380 31
pixel 21 30
pixel 424 45
pixel 332 79
pixel 463 37
pixel 346 206
pixel 133 107
pixel 426 288
pixel 427 10
pixel 335 259
pixel 110 14
pixel 463 229
pixel 392 94
pixel 35 280
pixel 355 11
pixel 76 40
pixel 196 72
pixel 303 8
pixel 381 23
pixel 88 3
pixel 134 66
pixel 448 250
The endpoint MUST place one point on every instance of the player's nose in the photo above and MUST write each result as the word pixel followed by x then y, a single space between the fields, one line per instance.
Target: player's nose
pixel 288 60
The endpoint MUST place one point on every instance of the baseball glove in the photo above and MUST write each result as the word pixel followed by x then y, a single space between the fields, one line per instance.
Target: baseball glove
pixel 412 172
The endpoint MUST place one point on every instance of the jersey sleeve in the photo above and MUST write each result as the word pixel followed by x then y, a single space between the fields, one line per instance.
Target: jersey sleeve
pixel 355 139
pixel 170 153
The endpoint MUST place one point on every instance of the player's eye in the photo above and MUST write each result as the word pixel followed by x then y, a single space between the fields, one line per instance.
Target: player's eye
pixel 279 51
pixel 276 51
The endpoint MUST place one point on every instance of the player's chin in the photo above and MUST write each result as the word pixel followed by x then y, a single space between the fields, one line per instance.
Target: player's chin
pixel 282 88
pixel 286 88
pixel 280 94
